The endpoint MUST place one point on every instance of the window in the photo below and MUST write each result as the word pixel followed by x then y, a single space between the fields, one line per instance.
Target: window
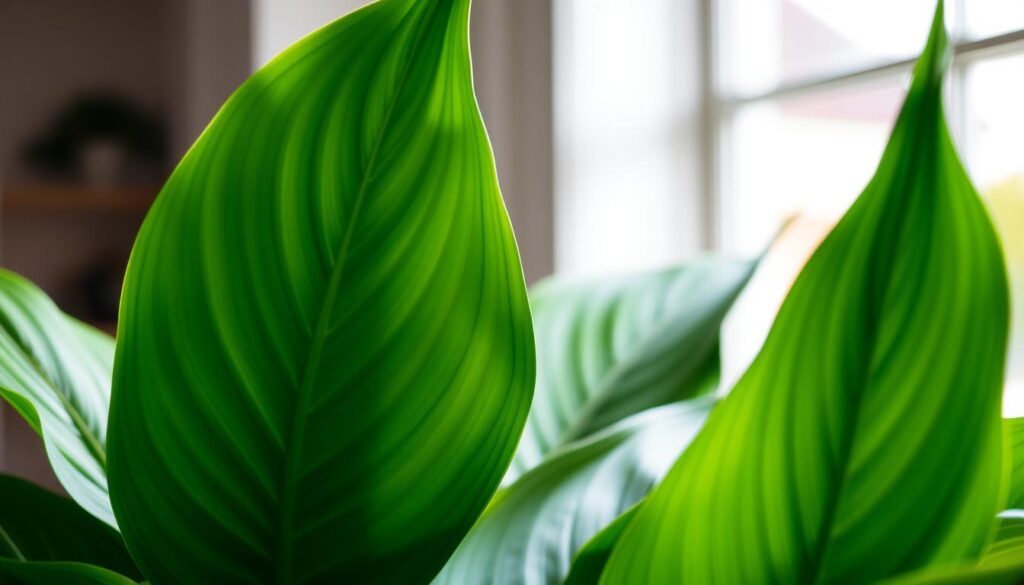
pixel 806 91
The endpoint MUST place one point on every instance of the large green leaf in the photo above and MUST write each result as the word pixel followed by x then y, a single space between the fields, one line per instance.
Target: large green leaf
pixel 1015 435
pixel 36 525
pixel 533 529
pixel 325 355
pixel 55 372
pixel 864 440
pixel 58 573
pixel 607 349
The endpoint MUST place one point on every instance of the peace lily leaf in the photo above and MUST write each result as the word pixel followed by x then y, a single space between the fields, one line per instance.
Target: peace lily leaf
pixel 590 561
pixel 52 573
pixel 864 440
pixel 36 525
pixel 533 529
pixel 1002 564
pixel 1009 541
pixel 55 372
pixel 325 356
pixel 1003 573
pixel 1015 432
pixel 612 348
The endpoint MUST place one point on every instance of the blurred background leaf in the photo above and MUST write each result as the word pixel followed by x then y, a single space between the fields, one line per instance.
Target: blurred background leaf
pixel 533 529
pixel 610 348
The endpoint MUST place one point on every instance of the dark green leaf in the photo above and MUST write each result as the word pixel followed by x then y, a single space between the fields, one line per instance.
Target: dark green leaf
pixel 864 440
pixel 589 563
pixel 55 372
pixel 1015 439
pixel 533 529
pixel 36 525
pixel 611 348
pixel 18 573
pixel 325 356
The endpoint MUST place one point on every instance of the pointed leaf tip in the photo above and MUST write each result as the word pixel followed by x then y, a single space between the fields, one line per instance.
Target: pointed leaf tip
pixel 931 66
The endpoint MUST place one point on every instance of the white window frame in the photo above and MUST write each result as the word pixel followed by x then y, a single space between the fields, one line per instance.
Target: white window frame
pixel 721 106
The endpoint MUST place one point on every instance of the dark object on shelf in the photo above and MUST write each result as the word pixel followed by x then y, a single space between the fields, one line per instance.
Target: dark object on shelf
pixel 101 289
pixel 93 137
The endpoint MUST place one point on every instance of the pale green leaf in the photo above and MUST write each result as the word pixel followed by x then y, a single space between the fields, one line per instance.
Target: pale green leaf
pixel 609 348
pixel 55 372
pixel 864 440
pixel 325 355
pixel 533 529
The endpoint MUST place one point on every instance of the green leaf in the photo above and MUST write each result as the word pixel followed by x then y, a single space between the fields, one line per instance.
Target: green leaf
pixel 533 529
pixel 1015 433
pixel 56 373
pixel 325 355
pixel 49 573
pixel 1002 564
pixel 1008 544
pixel 611 348
pixel 36 525
pixel 589 563
pixel 864 440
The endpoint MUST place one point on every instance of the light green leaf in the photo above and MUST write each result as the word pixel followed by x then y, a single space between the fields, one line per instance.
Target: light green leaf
pixel 1015 440
pixel 533 529
pixel 325 355
pixel 589 563
pixel 36 526
pixel 55 372
pixel 611 348
pixel 864 440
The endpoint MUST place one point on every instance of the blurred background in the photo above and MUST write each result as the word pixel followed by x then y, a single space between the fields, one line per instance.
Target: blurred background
pixel 628 135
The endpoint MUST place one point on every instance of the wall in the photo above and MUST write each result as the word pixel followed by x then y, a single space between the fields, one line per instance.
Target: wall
pixel 180 58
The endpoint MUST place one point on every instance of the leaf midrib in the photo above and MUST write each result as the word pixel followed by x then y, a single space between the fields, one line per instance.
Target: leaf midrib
pixel 322 329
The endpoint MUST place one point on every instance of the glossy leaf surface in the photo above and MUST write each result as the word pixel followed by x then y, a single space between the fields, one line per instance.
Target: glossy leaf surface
pixel 325 354
pixel 53 573
pixel 611 348
pixel 864 441
pixel 533 529
pixel 55 372
pixel 36 525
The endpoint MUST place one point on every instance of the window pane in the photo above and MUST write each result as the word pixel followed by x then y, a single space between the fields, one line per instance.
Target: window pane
pixel 770 42
pixel 621 118
pixel 995 92
pixel 811 154
pixel 985 18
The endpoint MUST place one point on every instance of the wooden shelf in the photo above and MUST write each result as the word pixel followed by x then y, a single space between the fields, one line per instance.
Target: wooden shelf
pixel 61 199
